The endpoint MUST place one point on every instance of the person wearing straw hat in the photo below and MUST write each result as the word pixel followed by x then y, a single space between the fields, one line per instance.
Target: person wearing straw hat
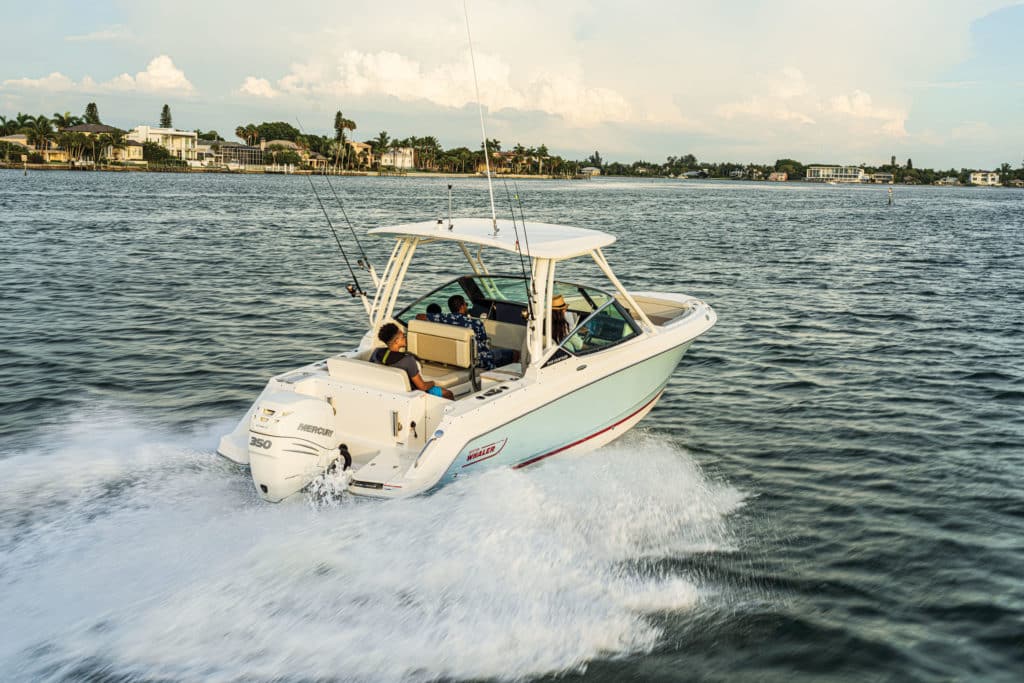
pixel 561 325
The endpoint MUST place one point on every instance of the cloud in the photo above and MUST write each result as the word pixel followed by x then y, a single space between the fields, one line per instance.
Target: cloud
pixel 55 82
pixel 161 75
pixel 107 34
pixel 558 92
pixel 859 105
pixel 763 108
pixel 977 131
pixel 789 84
pixel 786 99
pixel 258 87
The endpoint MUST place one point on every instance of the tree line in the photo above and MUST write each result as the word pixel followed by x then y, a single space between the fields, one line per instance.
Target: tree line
pixel 428 154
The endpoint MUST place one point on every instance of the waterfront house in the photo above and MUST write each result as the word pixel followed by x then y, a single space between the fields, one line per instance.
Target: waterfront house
pixel 361 152
pixel 129 152
pixel 590 171
pixel 180 143
pixel 989 178
pixel 886 178
pixel 948 180
pixel 836 174
pixel 51 152
pixel 317 161
pixel 93 129
pixel 207 151
pixel 19 139
pixel 235 155
pixel 778 176
pixel 398 157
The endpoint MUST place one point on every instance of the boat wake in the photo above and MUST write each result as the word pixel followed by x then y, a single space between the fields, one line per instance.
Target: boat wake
pixel 125 553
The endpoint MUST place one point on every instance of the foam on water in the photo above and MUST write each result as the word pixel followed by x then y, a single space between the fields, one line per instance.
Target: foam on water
pixel 134 553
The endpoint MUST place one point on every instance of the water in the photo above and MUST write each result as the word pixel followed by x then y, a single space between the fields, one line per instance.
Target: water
pixel 831 488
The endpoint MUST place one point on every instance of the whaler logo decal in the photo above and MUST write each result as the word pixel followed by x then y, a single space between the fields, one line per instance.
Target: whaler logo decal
pixel 313 429
pixel 485 452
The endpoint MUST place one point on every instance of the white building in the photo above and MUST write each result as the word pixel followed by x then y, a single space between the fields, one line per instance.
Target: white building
pixel 837 174
pixel 984 178
pixel 399 157
pixel 180 143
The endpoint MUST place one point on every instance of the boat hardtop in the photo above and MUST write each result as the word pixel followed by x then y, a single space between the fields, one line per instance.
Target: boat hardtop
pixel 545 240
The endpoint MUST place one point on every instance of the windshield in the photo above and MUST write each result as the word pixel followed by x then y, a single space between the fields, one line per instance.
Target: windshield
pixel 607 326
pixel 504 298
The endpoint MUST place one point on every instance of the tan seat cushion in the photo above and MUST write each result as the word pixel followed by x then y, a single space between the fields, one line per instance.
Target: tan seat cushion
pixel 372 375
pixel 443 376
pixel 440 343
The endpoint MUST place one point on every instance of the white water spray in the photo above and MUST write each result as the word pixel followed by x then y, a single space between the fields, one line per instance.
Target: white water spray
pixel 143 554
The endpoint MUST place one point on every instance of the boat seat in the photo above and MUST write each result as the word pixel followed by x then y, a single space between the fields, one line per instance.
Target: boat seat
pixel 447 353
pixel 443 376
pixel 449 345
pixel 366 374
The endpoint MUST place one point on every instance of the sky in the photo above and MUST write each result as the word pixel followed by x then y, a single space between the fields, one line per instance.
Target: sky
pixel 935 81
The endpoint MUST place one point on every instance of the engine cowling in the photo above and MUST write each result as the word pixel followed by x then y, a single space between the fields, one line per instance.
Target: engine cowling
pixel 292 440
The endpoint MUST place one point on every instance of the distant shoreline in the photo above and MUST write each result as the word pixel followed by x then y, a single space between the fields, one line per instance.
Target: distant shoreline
pixel 227 171
pixel 437 174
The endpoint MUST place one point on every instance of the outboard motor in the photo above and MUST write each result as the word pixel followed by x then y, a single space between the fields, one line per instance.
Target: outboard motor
pixel 292 440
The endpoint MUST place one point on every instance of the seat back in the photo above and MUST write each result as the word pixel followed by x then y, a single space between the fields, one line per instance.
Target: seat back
pixel 372 375
pixel 440 343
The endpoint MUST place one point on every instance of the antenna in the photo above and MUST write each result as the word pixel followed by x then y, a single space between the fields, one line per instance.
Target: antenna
pixel 480 109
pixel 450 226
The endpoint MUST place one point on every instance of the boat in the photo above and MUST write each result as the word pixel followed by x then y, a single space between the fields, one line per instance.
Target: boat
pixel 363 422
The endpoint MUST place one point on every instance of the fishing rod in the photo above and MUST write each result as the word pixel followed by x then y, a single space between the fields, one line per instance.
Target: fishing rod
pixel 355 289
pixel 365 260
pixel 522 264
pixel 522 217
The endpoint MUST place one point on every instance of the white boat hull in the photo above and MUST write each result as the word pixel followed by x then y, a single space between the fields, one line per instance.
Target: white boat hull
pixel 407 444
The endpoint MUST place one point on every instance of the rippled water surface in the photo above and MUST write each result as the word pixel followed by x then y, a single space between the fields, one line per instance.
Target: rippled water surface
pixel 832 487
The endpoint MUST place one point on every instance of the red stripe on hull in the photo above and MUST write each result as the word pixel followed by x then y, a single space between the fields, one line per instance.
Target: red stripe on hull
pixel 588 438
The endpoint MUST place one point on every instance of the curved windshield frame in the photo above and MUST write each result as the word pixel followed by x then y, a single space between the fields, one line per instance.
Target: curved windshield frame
pixel 607 326
pixel 498 295
pixel 483 293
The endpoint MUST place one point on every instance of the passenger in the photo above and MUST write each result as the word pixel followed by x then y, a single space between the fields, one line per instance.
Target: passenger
pixel 432 310
pixel 394 356
pixel 561 326
pixel 487 358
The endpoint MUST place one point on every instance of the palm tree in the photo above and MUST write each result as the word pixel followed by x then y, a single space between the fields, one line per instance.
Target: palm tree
pixel 7 126
pixel 542 154
pixel 341 124
pixel 105 143
pixel 24 119
pixel 65 120
pixel 250 133
pixel 74 144
pixel 39 132
pixel 118 141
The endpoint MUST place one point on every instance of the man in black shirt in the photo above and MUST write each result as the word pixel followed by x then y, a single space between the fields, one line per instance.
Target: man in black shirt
pixel 394 356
